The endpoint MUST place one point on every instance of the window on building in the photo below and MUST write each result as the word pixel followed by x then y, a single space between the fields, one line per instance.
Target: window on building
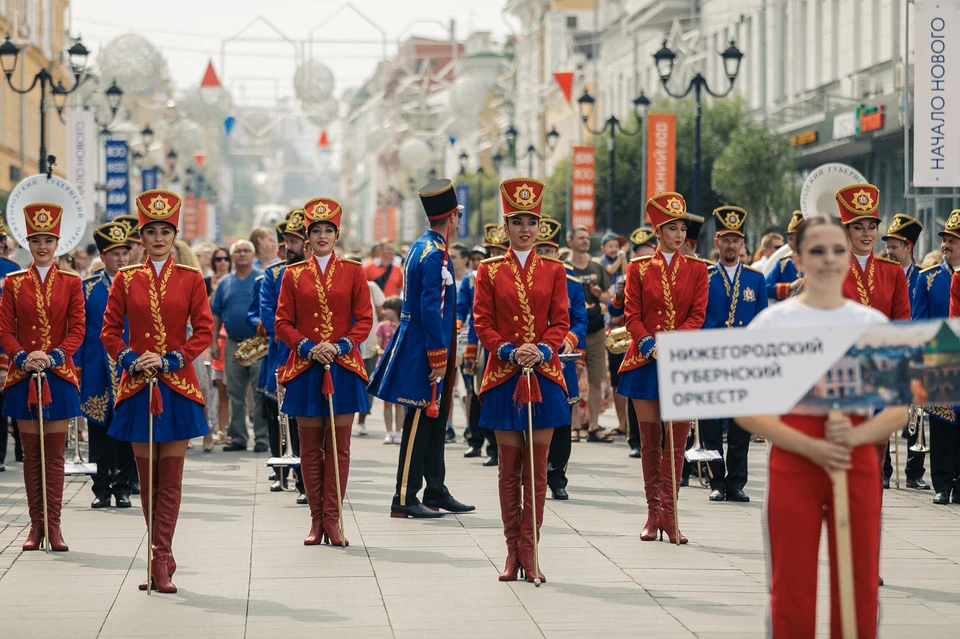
pixel 47 28
pixel 571 22
pixel 14 174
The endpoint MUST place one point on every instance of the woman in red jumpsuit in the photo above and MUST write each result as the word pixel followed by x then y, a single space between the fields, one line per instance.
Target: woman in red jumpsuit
pixel 664 292
pixel 41 327
pixel 158 300
pixel 323 315
pixel 806 448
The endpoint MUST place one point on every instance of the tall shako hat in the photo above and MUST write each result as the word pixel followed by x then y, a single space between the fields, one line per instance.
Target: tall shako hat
pixel 132 224
pixel 110 236
pixel 521 196
pixel 158 205
pixel 43 218
pixel 952 227
pixel 730 220
pixel 694 224
pixel 665 207
pixel 294 224
pixel 643 235
pixel 905 229
pixel 548 232
pixel 439 199
pixel 322 209
pixel 494 235
pixel 858 201
pixel 796 218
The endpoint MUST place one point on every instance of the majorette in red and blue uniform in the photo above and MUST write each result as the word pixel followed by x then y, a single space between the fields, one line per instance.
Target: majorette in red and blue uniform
pixel 42 310
pixel 159 301
pixel 659 296
pixel 522 301
pixel 323 300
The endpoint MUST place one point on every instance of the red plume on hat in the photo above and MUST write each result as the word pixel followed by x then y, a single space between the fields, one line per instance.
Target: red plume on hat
pixel 43 218
pixel 858 201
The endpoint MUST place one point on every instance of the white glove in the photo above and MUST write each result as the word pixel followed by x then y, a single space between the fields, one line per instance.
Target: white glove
pixel 446 277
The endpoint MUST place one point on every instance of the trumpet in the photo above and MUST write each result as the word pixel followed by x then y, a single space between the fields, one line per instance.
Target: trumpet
pixel 287 458
pixel 919 421
pixel 618 340
pixel 252 350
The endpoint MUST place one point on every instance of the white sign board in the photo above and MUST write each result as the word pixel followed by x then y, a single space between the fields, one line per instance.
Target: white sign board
pixel 82 147
pixel 936 94
pixel 844 125
pixel 56 190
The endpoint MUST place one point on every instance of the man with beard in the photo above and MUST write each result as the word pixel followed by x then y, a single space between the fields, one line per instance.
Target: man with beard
pixel 932 300
pixel 294 235
pixel 737 294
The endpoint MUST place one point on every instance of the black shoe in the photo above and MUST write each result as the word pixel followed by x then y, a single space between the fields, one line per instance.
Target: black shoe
pixel 275 476
pixel 234 447
pixel 123 500
pixel 261 448
pixel 416 511
pixel 449 504
pixel 135 488
pixel 956 496
pixel 736 494
pixel 684 482
pixel 942 498
pixel 451 435
pixel 560 494
pixel 886 483
pixel 102 501
pixel 473 452
pixel 919 484
pixel 276 487
pixel 2 467
pixel 302 499
pixel 634 453
pixel 718 495
pixel 491 461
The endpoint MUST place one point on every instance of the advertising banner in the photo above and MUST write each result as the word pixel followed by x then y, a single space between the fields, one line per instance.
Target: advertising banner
pixel 583 205
pixel 463 199
pixel 661 153
pixel 149 177
pixel 118 198
pixel 82 156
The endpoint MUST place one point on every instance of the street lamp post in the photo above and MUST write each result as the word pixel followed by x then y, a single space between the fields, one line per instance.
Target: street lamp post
pixel 552 137
pixel 586 101
pixel 665 59
pixel 9 52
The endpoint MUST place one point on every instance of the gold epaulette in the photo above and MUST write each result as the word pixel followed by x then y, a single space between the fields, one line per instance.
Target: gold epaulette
pixel 70 273
pixel 888 260
pixel 551 259
pixel 700 259
pixel 926 270
pixel 573 278
pixel 491 260
pixel 750 268
pixel 187 268
pixel 349 261
pixel 784 259
pixel 299 264
pixel 641 258
pixel 91 277
pixel 258 278
pixel 568 265
pixel 20 272
pixel 276 268
pixel 97 268
pixel 132 267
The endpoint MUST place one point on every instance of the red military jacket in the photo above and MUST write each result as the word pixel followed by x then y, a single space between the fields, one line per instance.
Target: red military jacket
pixel 660 298
pixel 332 307
pixel 881 285
pixel 512 306
pixel 158 308
pixel 42 316
pixel 955 295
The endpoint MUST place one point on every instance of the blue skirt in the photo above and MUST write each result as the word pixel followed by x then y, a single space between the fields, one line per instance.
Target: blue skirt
pixel 499 412
pixel 302 396
pixel 65 396
pixel 640 383
pixel 181 418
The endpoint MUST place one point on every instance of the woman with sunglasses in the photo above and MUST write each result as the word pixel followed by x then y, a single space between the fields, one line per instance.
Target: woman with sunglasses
pixel 221 266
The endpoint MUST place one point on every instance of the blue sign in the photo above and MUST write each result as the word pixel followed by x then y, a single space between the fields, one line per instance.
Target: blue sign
pixel 118 198
pixel 150 177
pixel 463 198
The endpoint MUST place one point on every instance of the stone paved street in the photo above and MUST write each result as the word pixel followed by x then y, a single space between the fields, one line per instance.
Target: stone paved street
pixel 245 573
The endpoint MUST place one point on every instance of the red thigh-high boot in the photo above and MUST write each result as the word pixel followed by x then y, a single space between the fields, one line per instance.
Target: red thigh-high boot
pixel 33 485
pixel 539 474
pixel 143 469
pixel 330 521
pixel 169 491
pixel 53 444
pixel 650 456
pixel 311 470
pixel 509 483
pixel 668 498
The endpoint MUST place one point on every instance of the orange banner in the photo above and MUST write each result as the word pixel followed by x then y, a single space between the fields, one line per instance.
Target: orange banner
pixel 385 223
pixel 661 153
pixel 188 218
pixel 583 204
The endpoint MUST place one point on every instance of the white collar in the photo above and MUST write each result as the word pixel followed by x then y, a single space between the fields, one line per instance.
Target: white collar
pixel 43 270
pixel 668 257
pixel 323 261
pixel 522 257
pixel 158 266
pixel 862 259
pixel 731 270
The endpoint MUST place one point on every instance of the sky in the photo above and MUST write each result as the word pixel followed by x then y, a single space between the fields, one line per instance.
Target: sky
pixel 191 32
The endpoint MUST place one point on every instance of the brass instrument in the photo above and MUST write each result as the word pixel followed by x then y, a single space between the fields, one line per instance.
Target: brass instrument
pixel 77 465
pixel 919 422
pixel 252 350
pixel 618 340
pixel 287 457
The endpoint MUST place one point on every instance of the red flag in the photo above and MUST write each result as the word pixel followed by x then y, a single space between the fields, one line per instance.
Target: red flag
pixel 198 158
pixel 565 82
pixel 324 142
pixel 210 79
